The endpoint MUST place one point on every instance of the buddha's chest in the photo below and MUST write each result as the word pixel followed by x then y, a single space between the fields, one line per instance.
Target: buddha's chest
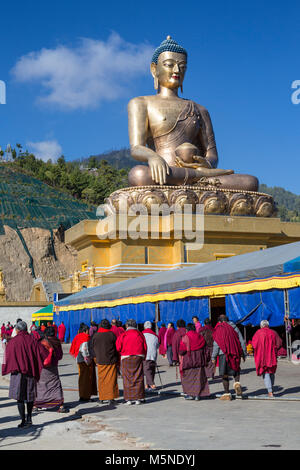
pixel 163 115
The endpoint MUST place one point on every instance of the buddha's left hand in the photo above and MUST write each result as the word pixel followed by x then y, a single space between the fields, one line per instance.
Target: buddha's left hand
pixel 200 162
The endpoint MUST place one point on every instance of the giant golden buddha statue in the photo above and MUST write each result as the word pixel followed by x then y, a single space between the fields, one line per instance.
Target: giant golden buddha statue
pixel 174 135
pixel 175 138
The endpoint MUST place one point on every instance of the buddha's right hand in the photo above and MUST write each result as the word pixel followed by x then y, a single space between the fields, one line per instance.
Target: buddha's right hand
pixel 159 169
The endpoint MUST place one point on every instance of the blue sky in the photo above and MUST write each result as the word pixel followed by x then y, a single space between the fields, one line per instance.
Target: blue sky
pixel 70 68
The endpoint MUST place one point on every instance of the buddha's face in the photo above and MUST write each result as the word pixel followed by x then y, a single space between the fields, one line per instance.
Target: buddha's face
pixel 170 69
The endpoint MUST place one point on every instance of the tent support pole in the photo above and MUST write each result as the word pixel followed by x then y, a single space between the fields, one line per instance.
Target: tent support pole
pixel 286 321
pixel 156 317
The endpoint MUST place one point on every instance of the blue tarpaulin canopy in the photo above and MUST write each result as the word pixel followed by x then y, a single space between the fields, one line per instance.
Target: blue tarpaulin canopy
pixel 250 281
pixel 225 274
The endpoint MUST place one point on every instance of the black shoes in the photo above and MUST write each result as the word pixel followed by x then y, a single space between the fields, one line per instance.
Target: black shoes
pixel 25 424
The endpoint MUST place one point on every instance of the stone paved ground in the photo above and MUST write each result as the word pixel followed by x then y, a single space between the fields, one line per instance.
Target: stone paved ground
pixel 166 421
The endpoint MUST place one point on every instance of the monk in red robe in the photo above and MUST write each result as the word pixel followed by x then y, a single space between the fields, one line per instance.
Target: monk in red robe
pixel 207 332
pixel 120 327
pixel 61 332
pixel 266 343
pixel 115 329
pixel 197 324
pixel 55 329
pixel 168 342
pixel 179 333
pixel 24 360
pixel 194 357
pixel 49 387
pixel 161 339
pixel 230 347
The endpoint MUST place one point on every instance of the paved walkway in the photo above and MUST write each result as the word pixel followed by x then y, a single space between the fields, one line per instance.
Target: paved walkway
pixel 166 421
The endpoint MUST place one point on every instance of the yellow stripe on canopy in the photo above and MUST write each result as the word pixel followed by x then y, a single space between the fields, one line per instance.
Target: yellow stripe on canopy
pixel 275 282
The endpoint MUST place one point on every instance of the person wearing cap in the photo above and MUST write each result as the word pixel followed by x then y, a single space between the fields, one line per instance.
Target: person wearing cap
pixel 151 358
pixel 24 360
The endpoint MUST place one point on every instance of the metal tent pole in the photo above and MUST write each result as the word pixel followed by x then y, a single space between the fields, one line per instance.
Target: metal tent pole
pixel 286 321
pixel 156 317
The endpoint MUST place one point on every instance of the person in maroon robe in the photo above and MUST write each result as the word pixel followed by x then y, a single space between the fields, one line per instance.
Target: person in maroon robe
pixel 114 328
pixel 230 348
pixel 93 329
pixel 194 357
pixel 120 327
pixel 179 333
pixel 207 332
pixel 161 339
pixel 24 360
pixel 9 330
pixel 168 342
pixel 49 387
pixel 61 332
pixel 266 344
pixel 197 324
pixel 55 329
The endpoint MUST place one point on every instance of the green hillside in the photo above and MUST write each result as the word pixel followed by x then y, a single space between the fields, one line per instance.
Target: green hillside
pixel 288 203
pixel 117 158
pixel 27 202
pixel 90 182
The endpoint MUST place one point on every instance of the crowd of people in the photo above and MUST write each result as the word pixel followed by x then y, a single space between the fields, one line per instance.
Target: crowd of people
pixel 109 350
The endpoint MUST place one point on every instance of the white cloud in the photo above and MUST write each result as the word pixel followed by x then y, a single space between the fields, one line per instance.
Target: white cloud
pixel 84 76
pixel 46 150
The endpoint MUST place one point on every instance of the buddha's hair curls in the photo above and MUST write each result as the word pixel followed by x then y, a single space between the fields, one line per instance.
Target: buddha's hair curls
pixel 168 45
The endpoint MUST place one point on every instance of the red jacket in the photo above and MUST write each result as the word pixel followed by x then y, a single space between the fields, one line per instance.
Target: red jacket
pixel 115 330
pixel 131 343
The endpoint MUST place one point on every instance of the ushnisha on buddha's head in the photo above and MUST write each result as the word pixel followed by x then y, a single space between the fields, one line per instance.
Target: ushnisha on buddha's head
pixel 168 65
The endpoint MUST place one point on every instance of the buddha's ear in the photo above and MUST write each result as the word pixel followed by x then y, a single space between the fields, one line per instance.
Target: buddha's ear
pixel 153 69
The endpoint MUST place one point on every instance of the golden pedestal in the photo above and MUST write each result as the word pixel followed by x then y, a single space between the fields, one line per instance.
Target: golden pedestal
pixel 119 257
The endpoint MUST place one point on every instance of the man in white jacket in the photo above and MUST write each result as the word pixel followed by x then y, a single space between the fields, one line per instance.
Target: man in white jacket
pixel 150 360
